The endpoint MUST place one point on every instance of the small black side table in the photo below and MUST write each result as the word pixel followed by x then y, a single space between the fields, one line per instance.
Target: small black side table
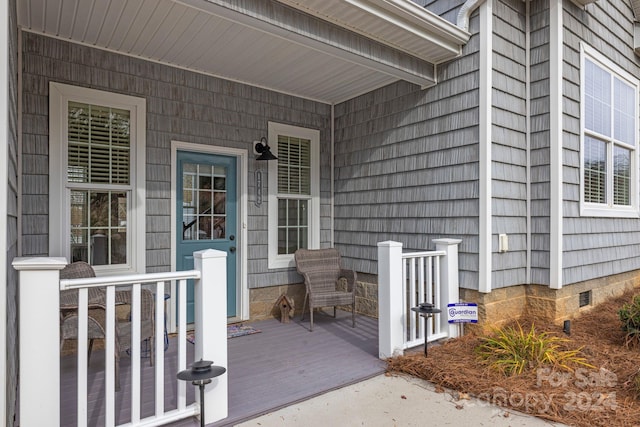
pixel 200 374
pixel 426 310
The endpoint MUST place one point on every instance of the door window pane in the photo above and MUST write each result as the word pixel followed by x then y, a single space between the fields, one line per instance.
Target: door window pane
pixel 204 218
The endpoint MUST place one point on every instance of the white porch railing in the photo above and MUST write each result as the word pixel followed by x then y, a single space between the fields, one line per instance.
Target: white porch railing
pixel 404 281
pixel 40 288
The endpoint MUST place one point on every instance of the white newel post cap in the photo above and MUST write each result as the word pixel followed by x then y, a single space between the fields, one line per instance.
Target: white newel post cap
pixel 39 263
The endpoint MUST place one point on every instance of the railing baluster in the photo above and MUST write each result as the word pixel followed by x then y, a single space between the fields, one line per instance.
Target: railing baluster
pixel 83 312
pixel 110 354
pixel 405 303
pixel 429 290
pixel 159 348
pixel 136 317
pixel 436 295
pixel 182 341
pixel 412 298
pixel 421 292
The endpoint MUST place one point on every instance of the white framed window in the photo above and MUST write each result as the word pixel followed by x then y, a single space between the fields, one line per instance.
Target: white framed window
pixel 609 140
pixel 97 178
pixel 294 192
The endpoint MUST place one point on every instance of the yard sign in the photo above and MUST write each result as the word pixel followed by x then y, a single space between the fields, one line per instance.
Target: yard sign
pixel 464 312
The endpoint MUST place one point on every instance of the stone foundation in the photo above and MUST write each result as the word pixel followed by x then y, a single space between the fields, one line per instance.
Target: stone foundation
pixel 262 300
pixel 495 308
pixel 543 303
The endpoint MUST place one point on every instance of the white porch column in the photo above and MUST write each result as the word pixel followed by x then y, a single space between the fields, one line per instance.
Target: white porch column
pixel 210 294
pixel 39 281
pixel 390 308
pixel 449 280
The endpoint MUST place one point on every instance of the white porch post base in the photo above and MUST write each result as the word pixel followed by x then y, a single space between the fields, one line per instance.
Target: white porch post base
pixel 210 293
pixel 39 319
pixel 390 309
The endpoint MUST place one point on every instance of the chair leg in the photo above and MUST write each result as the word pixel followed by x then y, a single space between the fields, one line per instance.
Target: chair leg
pixel 353 314
pixel 89 351
pixel 304 305
pixel 311 316
pixel 117 369
pixel 334 311
pixel 152 340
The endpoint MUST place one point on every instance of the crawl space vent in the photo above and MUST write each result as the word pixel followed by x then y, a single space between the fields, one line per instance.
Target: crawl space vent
pixel 585 298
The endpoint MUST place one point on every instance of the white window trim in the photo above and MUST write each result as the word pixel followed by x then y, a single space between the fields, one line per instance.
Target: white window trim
pixel 275 129
pixel 597 209
pixel 59 193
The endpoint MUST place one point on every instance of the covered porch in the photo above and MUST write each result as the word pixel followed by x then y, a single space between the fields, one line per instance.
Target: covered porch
pixel 281 365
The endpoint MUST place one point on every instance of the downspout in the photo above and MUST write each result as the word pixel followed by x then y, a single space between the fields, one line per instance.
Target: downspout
pixel 465 12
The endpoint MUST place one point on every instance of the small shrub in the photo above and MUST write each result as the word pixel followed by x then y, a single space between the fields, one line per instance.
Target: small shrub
pixel 512 350
pixel 630 317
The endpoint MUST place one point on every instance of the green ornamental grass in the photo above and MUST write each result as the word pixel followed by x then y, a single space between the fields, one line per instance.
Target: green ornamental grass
pixel 630 317
pixel 511 350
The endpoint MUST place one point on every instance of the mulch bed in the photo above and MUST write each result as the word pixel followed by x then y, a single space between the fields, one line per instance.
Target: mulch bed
pixel 604 396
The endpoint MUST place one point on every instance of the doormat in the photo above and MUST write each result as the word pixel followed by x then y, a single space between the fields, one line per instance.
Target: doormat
pixel 233 331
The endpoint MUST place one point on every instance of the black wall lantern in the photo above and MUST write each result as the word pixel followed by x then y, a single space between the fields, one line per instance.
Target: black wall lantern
pixel 263 148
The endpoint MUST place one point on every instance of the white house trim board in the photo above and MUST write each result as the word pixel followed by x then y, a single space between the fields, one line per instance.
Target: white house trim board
pixel 555 142
pixel 59 215
pixel 242 156
pixel 485 107
pixel 5 101
pixel 275 129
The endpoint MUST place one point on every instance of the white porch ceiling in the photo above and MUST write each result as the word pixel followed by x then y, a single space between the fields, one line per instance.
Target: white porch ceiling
pixel 337 50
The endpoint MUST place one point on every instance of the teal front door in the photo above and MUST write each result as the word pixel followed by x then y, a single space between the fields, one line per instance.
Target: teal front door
pixel 206 196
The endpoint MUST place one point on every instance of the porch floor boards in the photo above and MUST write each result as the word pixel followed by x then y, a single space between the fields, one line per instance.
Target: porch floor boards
pixel 280 366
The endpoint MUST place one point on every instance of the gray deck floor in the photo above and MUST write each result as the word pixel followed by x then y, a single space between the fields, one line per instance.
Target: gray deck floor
pixel 282 365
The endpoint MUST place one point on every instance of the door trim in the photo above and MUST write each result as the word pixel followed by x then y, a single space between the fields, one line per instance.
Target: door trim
pixel 242 156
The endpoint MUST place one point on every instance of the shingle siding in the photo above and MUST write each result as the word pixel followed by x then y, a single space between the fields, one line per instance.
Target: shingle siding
pixel 182 106
pixel 406 167
pixel 593 247
pixel 509 144
pixel 448 9
pixel 539 141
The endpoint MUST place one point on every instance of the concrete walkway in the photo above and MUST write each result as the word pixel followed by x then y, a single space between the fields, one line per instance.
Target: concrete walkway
pixel 394 401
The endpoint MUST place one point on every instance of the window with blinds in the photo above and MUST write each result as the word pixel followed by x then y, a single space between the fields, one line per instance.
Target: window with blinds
pixel 610 110
pixel 99 144
pixel 294 191
pixel 98 173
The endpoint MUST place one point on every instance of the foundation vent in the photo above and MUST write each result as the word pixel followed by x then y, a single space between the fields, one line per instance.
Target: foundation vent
pixel 584 298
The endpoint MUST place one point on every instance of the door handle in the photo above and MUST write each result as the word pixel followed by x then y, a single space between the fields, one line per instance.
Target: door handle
pixel 232 249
